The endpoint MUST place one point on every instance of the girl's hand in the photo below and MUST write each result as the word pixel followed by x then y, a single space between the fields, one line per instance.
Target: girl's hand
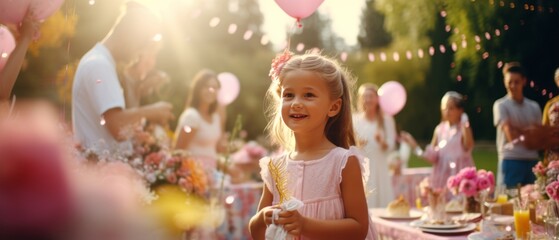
pixel 292 221
pixel 267 214
pixel 408 138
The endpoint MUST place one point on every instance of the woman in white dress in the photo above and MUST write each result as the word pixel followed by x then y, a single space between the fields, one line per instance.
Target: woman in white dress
pixel 376 135
pixel 200 126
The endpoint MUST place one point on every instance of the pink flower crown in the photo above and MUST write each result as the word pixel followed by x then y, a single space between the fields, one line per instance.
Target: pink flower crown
pixel 278 62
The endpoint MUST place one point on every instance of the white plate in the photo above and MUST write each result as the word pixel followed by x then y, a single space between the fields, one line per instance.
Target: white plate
pixel 414 214
pixel 485 236
pixel 426 225
pixel 468 228
pixel 449 211
pixel 467 217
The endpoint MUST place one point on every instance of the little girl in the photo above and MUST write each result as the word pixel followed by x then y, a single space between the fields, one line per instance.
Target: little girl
pixel 311 119
pixel 451 146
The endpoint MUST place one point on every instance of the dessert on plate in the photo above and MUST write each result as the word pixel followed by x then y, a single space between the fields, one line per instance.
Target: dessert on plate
pixel 399 208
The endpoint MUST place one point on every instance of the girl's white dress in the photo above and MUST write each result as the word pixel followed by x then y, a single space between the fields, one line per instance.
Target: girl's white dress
pixel 203 145
pixel 380 191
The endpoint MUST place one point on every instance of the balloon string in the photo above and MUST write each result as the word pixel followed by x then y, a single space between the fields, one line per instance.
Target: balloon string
pixel 296 25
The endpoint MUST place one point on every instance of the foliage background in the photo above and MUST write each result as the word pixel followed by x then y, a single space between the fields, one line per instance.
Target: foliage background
pixel 387 26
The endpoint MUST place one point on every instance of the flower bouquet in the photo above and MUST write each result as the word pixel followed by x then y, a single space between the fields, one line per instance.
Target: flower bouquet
pixel 546 177
pixel 473 185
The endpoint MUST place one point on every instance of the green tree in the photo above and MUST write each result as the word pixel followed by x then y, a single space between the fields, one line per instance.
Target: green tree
pixel 372 34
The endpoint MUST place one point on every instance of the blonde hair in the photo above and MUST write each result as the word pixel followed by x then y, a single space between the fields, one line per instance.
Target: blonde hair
pixel 380 114
pixel 339 128
pixel 456 98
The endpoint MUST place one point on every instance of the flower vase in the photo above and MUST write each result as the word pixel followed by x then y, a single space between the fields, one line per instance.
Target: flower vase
pixel 472 205
pixel 437 203
pixel 475 203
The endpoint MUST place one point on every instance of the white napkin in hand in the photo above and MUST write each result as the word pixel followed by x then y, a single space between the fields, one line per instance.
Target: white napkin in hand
pixel 276 232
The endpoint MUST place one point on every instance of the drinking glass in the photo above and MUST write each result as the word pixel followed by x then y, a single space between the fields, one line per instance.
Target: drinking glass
pixel 521 219
pixel 501 194
pixel 551 220
pixel 437 203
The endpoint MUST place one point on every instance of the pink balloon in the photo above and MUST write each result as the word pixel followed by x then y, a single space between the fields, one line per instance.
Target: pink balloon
pixel 392 97
pixel 13 11
pixel 43 9
pixel 7 45
pixel 299 9
pixel 229 88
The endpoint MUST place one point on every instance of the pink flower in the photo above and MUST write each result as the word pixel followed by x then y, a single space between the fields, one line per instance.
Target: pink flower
pixel 539 169
pixel 468 173
pixel 153 158
pixel 453 182
pixel 553 165
pixel 553 190
pixel 483 182
pixel 172 178
pixel 491 178
pixel 468 187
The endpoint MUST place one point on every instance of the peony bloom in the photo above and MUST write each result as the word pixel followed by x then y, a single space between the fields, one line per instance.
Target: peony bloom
pixel 468 187
pixel 468 173
pixel 483 182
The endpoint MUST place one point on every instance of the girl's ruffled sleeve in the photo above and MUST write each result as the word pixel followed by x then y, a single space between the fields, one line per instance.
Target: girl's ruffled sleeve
pixel 265 172
pixel 363 163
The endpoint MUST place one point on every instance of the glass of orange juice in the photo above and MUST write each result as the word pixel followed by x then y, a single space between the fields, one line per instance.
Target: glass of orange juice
pixel 502 198
pixel 521 219
pixel 501 194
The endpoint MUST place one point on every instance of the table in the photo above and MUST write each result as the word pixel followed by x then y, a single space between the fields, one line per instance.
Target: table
pixel 406 183
pixel 400 229
pixel 241 203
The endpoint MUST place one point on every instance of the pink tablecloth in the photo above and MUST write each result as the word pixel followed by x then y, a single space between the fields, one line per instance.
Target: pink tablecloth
pixel 401 230
pixel 406 183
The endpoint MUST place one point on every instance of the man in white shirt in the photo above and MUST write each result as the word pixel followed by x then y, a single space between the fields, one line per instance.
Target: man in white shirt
pixel 99 112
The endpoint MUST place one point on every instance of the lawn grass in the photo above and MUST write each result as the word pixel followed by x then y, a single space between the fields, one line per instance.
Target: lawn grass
pixel 485 157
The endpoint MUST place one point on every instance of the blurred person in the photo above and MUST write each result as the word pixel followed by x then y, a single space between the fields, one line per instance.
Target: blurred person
pixel 99 111
pixel 514 114
pixel 551 118
pixel 376 135
pixel 26 32
pixel 451 147
pixel 140 78
pixel 200 126
pixel 199 131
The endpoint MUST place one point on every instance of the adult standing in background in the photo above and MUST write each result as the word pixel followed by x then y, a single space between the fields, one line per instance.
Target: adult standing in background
pixel 514 114
pixel 376 134
pixel 99 112
pixel 200 126
pixel 551 118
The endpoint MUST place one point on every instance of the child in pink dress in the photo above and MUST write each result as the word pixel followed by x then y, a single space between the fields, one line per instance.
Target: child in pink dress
pixel 451 147
pixel 311 118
